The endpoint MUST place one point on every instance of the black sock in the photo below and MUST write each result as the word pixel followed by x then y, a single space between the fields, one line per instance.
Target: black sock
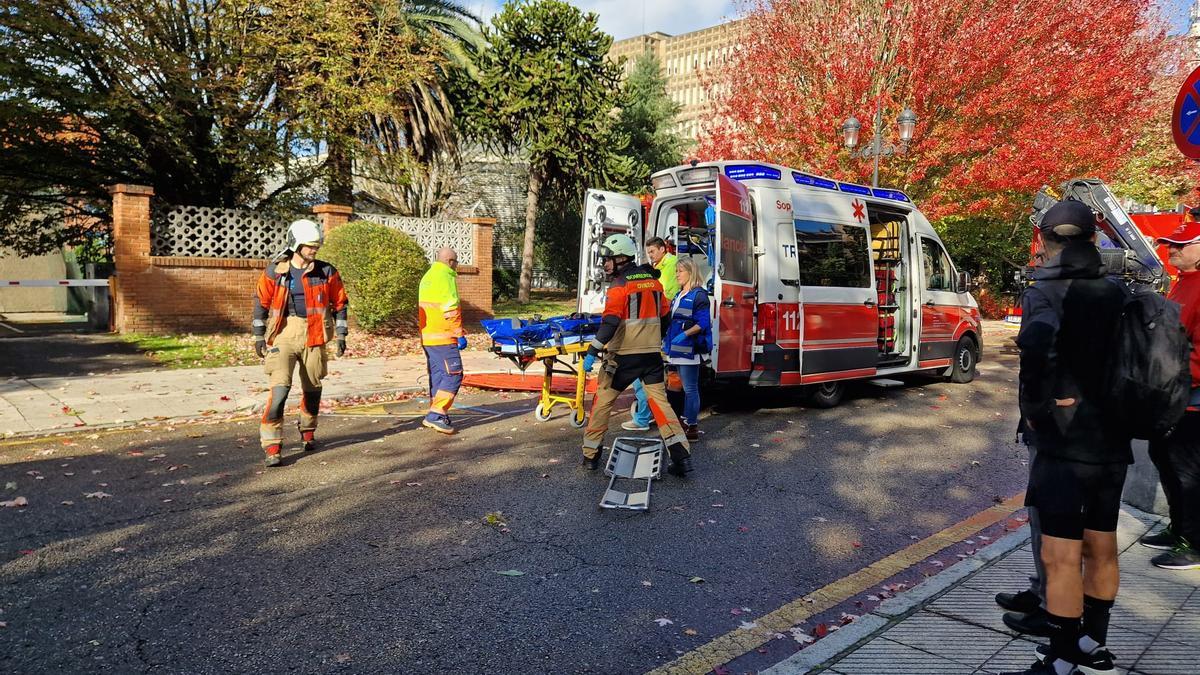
pixel 1064 637
pixel 1095 618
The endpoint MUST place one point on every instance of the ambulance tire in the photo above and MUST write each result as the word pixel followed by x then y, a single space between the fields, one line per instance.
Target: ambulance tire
pixel 966 358
pixel 826 394
pixel 540 414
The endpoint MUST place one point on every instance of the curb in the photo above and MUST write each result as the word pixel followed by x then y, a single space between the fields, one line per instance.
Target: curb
pixel 896 609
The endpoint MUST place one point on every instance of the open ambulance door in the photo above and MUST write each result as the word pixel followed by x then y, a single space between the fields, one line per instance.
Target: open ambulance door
pixel 733 279
pixel 777 319
pixel 604 213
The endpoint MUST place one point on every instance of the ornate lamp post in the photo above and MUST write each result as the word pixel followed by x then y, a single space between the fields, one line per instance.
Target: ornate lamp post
pixel 906 123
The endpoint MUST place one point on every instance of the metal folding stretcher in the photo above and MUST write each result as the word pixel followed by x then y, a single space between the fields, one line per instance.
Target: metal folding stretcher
pixel 631 461
pixel 558 343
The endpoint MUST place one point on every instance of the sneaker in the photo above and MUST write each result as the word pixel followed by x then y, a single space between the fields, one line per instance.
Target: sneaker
pixel 1099 662
pixel 1163 540
pixel 1024 602
pixel 1039 668
pixel 692 432
pixel 1032 623
pixel 592 463
pixel 274 457
pixel 310 442
pixel 634 425
pixel 439 425
pixel 1181 557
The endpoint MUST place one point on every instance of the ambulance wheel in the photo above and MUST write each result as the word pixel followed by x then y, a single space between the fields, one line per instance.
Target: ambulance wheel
pixel 966 357
pixel 578 423
pixel 541 414
pixel 826 394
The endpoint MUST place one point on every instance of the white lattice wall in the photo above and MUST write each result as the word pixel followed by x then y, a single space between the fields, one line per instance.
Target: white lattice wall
pixel 205 232
pixel 432 235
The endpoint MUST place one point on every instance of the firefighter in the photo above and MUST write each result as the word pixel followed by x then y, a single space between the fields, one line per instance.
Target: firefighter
pixel 664 261
pixel 300 305
pixel 442 338
pixel 631 332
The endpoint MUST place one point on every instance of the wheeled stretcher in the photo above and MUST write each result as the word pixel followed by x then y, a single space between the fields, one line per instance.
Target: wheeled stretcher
pixel 557 343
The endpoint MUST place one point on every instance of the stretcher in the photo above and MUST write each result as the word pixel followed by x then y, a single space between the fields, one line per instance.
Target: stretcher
pixel 558 343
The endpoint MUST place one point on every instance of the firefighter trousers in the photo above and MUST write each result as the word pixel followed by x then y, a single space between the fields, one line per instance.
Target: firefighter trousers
pixel 290 349
pixel 1178 462
pixel 614 377
pixel 444 364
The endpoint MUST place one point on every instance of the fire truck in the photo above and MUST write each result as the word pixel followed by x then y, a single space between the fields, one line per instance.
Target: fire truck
pixel 814 282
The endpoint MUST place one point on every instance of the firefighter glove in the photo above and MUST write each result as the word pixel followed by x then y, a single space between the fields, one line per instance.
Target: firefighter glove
pixel 589 362
pixel 260 348
pixel 341 347
pixel 462 343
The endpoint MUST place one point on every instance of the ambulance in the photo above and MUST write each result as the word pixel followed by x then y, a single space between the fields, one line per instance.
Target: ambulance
pixel 814 282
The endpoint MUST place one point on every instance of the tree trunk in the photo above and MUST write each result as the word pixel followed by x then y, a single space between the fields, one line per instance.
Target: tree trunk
pixel 341 178
pixel 531 210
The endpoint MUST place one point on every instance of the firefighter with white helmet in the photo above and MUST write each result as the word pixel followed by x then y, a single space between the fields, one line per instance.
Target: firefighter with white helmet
pixel 300 305
pixel 636 315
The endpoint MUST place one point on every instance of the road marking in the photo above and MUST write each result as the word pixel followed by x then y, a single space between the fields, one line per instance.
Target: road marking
pixel 733 644
pixel 12 328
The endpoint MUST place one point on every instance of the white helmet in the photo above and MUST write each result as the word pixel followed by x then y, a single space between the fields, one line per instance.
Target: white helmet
pixel 303 232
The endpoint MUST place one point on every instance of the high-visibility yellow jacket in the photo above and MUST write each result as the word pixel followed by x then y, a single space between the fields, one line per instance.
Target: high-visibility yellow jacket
pixel 437 299
pixel 667 267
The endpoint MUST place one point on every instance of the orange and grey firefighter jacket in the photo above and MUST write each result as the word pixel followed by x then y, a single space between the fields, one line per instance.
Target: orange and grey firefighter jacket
pixel 325 302
pixel 636 314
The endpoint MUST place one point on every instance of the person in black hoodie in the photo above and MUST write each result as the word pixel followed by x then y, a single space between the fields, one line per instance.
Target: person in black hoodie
pixel 1069 317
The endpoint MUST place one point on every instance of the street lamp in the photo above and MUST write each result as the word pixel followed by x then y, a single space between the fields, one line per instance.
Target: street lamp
pixel 907 123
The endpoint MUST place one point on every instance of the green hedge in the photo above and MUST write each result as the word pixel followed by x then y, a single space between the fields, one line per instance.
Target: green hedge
pixel 382 269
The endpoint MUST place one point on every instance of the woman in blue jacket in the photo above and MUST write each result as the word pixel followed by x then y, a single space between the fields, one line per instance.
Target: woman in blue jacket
pixel 688 338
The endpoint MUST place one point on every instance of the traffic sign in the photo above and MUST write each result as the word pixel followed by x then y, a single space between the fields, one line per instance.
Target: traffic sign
pixel 1185 118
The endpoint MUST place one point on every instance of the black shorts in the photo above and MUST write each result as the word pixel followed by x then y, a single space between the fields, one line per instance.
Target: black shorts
pixel 1072 496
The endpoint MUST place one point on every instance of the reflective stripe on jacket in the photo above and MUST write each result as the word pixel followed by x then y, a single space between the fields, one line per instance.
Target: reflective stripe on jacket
pixel 325 302
pixel 440 318
pixel 691 310
pixel 634 312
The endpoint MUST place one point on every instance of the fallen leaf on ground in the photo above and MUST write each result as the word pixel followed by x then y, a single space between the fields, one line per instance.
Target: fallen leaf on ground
pixel 647 583
pixel 800 636
pixel 15 503
pixel 696 580
pixel 747 625
pixel 96 495
pixel 821 630
pixel 661 621
pixel 511 573
pixel 10 485
pixel 689 631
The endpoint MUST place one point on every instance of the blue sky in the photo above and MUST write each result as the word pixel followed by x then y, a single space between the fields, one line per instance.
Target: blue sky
pixel 626 18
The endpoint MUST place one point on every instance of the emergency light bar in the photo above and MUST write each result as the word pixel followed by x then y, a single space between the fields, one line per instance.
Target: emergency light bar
pixel 749 171
pixel 890 194
pixel 855 189
pixel 813 181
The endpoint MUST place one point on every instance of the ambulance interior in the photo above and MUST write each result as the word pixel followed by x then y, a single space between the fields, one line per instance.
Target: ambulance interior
pixel 893 281
pixel 685 226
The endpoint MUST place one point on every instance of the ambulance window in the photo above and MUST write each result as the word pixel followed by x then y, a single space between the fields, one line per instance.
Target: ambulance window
pixel 939 274
pixel 832 255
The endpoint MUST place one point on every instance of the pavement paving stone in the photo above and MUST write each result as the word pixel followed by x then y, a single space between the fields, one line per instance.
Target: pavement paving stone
pixel 1165 657
pixel 1012 579
pixel 1183 628
pixel 885 657
pixel 973 606
pixel 1146 604
pixel 961 642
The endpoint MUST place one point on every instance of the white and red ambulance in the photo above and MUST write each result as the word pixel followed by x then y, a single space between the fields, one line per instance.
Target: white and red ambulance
pixel 814 281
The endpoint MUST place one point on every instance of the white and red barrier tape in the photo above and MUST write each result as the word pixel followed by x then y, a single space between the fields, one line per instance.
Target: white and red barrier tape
pixel 53 282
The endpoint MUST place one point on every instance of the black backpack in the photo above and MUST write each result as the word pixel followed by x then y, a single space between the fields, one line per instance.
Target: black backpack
pixel 1149 375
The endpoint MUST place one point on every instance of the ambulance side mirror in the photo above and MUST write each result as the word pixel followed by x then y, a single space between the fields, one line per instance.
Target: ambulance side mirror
pixel 963 283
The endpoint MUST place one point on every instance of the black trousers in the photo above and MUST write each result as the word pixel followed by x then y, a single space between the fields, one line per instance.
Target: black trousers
pixel 1178 462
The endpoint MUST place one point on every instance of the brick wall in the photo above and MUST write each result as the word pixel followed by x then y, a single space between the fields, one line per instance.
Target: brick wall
pixel 181 294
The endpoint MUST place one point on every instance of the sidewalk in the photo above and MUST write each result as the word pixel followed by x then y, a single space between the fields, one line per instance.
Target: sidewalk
pixel 44 404
pixel 951 624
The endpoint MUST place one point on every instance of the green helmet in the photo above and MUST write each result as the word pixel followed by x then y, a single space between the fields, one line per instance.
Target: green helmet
pixel 618 244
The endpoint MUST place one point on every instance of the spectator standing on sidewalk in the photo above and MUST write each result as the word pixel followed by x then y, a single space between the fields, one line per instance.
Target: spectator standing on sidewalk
pixel 630 334
pixel 689 337
pixel 664 261
pixel 300 305
pixel 1070 315
pixel 1177 458
pixel 442 337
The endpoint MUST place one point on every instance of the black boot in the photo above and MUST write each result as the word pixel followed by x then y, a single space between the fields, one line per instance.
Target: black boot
pixel 591 463
pixel 681 460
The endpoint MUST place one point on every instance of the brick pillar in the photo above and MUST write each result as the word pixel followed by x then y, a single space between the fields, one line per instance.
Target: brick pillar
pixel 332 216
pixel 482 241
pixel 131 250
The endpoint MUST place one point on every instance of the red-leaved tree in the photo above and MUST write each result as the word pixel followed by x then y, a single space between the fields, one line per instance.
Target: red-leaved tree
pixel 1010 94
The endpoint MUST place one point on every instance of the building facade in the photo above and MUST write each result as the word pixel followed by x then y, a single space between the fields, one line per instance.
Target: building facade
pixel 685 60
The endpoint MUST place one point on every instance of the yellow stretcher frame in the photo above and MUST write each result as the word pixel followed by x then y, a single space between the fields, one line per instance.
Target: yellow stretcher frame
pixel 550 357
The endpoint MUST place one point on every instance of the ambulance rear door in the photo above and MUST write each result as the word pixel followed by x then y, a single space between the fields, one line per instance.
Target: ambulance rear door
pixel 604 213
pixel 733 280
pixel 776 350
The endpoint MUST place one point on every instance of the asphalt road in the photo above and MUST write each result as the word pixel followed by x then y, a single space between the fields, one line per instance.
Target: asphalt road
pixel 174 550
